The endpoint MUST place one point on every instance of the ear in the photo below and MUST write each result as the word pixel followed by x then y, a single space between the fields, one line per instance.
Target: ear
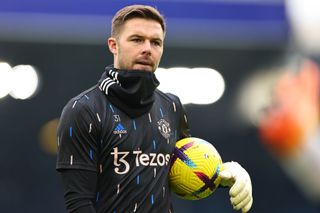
pixel 113 46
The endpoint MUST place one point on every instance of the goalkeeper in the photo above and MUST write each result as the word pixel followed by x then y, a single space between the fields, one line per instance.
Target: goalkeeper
pixel 116 138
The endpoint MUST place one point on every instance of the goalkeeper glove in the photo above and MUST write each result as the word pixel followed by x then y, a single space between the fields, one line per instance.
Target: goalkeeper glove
pixel 235 176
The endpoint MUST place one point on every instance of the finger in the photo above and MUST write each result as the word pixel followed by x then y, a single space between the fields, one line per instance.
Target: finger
pixel 243 203
pixel 237 187
pixel 240 197
pixel 248 206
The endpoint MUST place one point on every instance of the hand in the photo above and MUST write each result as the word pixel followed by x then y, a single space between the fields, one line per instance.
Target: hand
pixel 236 177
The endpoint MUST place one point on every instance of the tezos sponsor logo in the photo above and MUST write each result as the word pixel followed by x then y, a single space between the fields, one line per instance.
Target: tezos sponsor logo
pixel 141 159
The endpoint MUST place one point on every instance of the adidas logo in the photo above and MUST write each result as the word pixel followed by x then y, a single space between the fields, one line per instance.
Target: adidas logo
pixel 119 129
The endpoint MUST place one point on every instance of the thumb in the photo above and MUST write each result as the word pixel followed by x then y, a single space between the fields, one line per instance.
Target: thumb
pixel 226 175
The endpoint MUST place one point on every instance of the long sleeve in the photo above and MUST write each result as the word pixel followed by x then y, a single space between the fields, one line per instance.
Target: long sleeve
pixel 77 159
pixel 79 190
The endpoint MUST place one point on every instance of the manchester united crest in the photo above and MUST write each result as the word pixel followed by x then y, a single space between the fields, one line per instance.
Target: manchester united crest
pixel 164 128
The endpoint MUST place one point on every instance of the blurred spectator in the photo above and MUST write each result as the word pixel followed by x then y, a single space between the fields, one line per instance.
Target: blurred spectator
pixel 290 127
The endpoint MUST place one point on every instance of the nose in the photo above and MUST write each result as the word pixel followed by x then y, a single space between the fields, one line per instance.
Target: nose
pixel 146 48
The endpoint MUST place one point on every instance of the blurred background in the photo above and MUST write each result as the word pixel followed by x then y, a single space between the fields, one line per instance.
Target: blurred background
pixel 255 98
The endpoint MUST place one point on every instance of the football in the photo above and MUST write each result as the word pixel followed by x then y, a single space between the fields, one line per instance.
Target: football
pixel 195 168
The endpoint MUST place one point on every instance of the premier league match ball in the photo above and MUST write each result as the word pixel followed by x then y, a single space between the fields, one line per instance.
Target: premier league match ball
pixel 195 168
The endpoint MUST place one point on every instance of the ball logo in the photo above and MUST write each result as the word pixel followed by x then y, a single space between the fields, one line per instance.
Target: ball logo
pixel 141 159
pixel 164 128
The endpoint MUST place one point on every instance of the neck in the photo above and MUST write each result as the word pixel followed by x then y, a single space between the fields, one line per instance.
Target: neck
pixel 132 91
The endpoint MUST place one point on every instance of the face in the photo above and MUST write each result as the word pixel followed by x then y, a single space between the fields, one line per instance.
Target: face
pixel 139 45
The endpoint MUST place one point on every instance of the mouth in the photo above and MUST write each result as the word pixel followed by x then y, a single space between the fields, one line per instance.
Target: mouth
pixel 144 62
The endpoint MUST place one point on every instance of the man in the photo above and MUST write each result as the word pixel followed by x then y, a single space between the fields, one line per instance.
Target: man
pixel 116 139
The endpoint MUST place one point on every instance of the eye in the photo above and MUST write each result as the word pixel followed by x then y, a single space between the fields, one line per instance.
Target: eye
pixel 136 40
pixel 156 43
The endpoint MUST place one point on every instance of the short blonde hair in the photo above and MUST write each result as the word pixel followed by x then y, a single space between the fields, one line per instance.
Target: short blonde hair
pixel 135 11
